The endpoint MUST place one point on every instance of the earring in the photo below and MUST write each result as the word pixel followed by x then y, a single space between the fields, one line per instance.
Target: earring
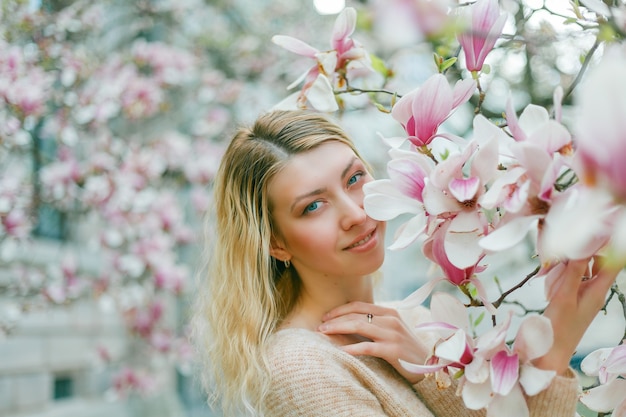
pixel 287 263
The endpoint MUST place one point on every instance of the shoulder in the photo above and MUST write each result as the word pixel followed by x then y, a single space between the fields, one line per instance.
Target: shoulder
pixel 312 377
pixel 301 350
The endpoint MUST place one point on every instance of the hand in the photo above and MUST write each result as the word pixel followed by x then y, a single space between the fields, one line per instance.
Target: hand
pixel 387 336
pixel 572 308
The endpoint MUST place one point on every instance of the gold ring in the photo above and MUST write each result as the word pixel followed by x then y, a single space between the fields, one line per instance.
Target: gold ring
pixel 370 316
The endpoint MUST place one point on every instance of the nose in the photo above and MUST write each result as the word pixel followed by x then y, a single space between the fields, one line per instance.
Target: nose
pixel 352 211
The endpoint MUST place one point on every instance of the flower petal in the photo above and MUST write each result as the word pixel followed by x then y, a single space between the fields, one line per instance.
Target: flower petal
pixel 464 189
pixel 616 362
pixel 535 380
pixel 551 137
pixel 533 117
pixel 477 371
pixel 321 95
pixel 421 369
pixel 417 297
pixel 508 235
pixel 594 361
pixel 295 45
pixel 454 348
pixel 477 396
pixel 504 372
pixel 409 232
pixel 383 201
pixel 511 405
pixel 408 175
pixel 461 240
pixel 534 338
pixel 605 398
pixel 344 27
pixel 432 106
pixel 447 308
pixel 463 91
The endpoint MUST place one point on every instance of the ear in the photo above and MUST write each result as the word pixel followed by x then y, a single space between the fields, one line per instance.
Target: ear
pixel 278 251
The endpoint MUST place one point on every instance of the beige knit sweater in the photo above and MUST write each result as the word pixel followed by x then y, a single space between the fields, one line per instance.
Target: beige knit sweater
pixel 314 378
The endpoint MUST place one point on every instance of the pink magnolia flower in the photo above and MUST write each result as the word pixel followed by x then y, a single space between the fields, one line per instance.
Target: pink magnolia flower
pixel 454 349
pixel 601 128
pixel 609 365
pixel 593 212
pixel 452 193
pixel 168 65
pixel 494 376
pixel 142 98
pixel 422 111
pixel 526 190
pixel 386 199
pixel 130 380
pixel 434 249
pixel 16 223
pixel 484 26
pixel 500 375
pixel 319 79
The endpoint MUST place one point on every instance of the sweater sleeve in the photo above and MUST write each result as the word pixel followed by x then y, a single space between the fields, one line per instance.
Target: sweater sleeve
pixel 311 382
pixel 558 400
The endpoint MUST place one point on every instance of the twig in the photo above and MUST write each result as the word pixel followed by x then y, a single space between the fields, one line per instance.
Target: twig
pixel 519 285
pixel 583 68
pixel 350 90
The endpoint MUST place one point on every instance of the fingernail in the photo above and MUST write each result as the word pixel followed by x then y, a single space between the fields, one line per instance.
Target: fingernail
pixel 322 328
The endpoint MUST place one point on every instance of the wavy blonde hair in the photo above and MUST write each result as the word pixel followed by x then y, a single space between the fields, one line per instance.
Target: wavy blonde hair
pixel 247 293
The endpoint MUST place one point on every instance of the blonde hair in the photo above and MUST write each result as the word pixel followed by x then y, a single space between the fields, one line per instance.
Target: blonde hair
pixel 248 293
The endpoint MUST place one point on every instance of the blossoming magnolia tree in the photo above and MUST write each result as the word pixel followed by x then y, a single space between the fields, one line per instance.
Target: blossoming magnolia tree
pixel 513 178
pixel 112 115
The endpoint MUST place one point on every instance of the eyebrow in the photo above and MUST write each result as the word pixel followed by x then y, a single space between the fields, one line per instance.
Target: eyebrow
pixel 322 190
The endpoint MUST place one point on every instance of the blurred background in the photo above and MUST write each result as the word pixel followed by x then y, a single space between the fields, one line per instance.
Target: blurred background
pixel 113 118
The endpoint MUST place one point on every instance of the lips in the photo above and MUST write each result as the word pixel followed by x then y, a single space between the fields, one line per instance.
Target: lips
pixel 361 240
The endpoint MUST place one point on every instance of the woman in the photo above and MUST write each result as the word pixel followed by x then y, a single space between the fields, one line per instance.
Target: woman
pixel 287 324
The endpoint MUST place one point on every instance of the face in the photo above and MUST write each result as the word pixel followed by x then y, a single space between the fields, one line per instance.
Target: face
pixel 317 207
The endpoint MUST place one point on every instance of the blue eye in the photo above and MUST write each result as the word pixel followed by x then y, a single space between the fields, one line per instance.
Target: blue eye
pixel 353 179
pixel 312 207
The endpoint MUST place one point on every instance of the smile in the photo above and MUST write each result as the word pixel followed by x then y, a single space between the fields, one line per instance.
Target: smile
pixel 362 241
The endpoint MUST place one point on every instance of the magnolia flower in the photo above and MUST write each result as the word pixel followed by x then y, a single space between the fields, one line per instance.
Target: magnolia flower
pixel 454 349
pixel 434 249
pixel 318 88
pixel 423 110
pixel 502 374
pixel 492 374
pixel 129 380
pixel 402 193
pixel 536 159
pixel 168 65
pixel 452 193
pixel 484 26
pixel 601 128
pixel 609 365
pixel 593 212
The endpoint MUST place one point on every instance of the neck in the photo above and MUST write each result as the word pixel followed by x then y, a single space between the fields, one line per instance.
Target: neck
pixel 316 300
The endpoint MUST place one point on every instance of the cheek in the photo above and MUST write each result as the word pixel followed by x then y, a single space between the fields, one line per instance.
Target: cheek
pixel 313 236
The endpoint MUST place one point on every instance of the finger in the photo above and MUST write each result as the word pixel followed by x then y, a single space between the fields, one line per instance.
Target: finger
pixel 369 318
pixel 378 329
pixel 572 277
pixel 358 307
pixel 365 348
pixel 596 289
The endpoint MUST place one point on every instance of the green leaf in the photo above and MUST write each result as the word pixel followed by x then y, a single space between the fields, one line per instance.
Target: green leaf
pixel 447 64
pixel 379 66
pixel 479 319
